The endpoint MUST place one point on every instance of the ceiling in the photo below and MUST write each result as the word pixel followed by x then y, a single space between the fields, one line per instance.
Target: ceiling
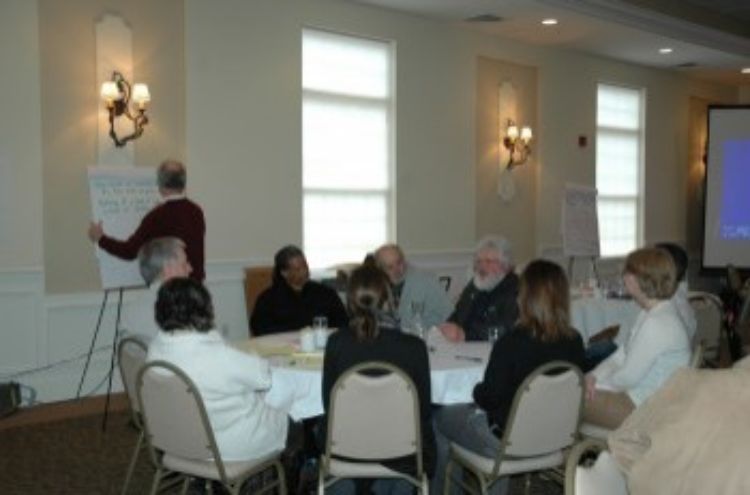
pixel 710 39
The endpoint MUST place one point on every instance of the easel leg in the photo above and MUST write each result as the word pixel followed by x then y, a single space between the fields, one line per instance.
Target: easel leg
pixel 112 361
pixel 93 342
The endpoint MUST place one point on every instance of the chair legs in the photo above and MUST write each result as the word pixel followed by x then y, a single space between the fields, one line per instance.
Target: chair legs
pixel 131 466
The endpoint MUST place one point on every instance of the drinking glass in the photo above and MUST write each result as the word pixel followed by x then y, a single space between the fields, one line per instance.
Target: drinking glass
pixel 319 322
pixel 320 330
pixel 493 334
pixel 417 309
pixel 417 312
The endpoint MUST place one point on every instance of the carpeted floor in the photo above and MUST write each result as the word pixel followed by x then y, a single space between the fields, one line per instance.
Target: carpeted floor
pixel 74 456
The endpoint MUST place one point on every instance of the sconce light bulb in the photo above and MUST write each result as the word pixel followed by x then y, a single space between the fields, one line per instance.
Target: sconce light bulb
pixel 526 134
pixel 141 95
pixel 512 132
pixel 110 92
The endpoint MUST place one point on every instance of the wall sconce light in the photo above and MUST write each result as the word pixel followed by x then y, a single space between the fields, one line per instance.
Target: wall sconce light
pixel 117 95
pixel 517 143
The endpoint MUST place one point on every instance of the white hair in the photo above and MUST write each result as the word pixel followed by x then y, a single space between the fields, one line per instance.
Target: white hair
pixel 500 245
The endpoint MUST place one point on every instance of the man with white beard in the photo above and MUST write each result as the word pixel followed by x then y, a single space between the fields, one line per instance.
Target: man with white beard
pixel 489 299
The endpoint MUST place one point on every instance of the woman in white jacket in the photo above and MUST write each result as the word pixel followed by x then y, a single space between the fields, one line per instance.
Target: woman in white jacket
pixel 657 346
pixel 229 381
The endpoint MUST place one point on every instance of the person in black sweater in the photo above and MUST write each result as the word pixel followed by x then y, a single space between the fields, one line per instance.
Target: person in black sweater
pixel 542 334
pixel 369 337
pixel 293 300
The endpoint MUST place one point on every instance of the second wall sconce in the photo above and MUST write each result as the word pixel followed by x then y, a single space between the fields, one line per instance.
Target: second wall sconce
pixel 117 95
pixel 517 143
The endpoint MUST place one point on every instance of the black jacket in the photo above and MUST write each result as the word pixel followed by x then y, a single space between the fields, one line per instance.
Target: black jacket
pixel 280 308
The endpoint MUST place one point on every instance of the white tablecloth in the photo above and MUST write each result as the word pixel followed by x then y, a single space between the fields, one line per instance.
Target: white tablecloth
pixel 589 315
pixel 297 378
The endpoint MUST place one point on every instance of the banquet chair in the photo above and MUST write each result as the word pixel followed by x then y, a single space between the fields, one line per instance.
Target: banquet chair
pixel 543 421
pixel 180 437
pixel 373 415
pixel 591 470
pixel 709 316
pixel 131 356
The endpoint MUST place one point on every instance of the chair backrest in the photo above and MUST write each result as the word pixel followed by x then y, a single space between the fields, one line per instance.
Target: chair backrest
pixel 174 417
pixel 545 413
pixel 374 415
pixel 131 356
pixel 709 317
pixel 591 470
pixel 257 279
pixel 696 357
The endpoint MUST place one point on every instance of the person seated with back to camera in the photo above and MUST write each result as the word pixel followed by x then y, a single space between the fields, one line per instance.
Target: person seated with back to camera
pixel 293 300
pixel 369 337
pixel 657 346
pixel 159 260
pixel 489 299
pixel 230 382
pixel 411 286
pixel 542 334
pixel 606 342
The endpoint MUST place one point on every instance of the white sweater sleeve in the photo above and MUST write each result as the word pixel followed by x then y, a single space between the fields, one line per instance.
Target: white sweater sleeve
pixel 249 369
pixel 658 334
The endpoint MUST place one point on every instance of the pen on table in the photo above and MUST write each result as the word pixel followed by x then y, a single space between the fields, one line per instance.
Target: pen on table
pixel 469 358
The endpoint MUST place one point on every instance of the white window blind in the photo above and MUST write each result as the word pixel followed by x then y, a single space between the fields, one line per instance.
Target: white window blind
pixel 619 166
pixel 347 146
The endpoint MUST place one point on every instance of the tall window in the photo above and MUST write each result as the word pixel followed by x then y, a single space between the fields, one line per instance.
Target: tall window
pixel 619 168
pixel 347 146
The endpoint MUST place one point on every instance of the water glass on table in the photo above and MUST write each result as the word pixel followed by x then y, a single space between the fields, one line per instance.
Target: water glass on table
pixel 494 333
pixel 320 330
pixel 417 322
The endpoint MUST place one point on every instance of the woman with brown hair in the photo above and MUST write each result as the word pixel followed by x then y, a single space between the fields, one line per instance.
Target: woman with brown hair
pixel 542 334
pixel 657 346
pixel 371 336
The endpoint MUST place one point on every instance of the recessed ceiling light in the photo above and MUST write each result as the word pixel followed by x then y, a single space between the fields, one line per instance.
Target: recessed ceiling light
pixel 665 50
pixel 549 22
pixel 745 70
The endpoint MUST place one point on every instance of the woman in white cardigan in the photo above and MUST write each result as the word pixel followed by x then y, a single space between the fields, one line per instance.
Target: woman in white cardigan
pixel 657 346
pixel 229 381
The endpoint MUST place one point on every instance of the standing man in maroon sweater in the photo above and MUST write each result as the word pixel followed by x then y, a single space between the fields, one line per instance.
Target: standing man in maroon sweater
pixel 175 216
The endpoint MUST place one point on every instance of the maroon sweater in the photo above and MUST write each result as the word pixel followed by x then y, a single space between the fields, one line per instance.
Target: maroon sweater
pixel 179 218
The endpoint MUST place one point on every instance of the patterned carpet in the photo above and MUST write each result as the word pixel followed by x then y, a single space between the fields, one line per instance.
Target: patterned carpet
pixel 74 456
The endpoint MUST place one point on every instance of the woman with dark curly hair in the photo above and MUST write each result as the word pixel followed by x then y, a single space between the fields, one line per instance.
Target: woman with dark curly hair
pixel 293 300
pixel 229 381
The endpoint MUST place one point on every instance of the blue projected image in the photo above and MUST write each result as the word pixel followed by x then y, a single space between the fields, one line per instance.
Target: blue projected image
pixel 735 200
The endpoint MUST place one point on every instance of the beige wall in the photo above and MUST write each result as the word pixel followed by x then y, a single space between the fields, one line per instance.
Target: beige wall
pixel 69 105
pixel 513 218
pixel 20 138
pixel 225 82
pixel 244 128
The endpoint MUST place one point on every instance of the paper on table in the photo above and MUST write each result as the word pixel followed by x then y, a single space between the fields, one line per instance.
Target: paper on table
pixel 266 350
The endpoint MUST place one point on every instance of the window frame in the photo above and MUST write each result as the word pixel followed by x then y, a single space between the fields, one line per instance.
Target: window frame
pixel 390 105
pixel 640 133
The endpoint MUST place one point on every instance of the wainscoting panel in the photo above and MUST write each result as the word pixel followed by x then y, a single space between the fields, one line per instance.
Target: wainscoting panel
pixel 46 338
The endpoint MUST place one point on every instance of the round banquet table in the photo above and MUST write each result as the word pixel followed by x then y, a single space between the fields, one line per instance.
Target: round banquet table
pixel 297 377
